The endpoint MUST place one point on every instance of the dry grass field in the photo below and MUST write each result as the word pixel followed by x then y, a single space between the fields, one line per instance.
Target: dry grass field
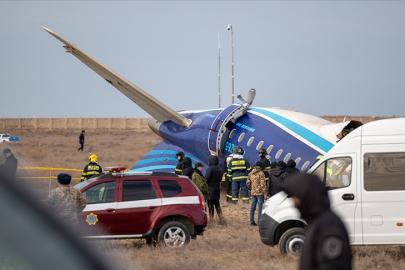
pixel 235 246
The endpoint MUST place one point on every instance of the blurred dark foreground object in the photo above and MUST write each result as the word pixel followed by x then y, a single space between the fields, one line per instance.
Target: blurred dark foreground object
pixel 33 238
pixel 326 241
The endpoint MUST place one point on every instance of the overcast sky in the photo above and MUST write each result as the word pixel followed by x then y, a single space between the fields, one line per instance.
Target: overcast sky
pixel 320 58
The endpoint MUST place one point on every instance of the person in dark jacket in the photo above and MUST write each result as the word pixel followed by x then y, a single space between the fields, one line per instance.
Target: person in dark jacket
pixel 265 164
pixel 291 168
pixel 9 167
pixel 81 141
pixel 179 168
pixel 278 176
pixel 270 185
pixel 326 242
pixel 188 167
pixel 213 175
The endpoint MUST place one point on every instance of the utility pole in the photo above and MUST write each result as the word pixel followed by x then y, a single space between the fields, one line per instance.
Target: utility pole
pixel 232 76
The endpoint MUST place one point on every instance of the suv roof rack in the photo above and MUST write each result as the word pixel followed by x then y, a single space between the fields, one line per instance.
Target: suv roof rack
pixel 164 174
pixel 151 173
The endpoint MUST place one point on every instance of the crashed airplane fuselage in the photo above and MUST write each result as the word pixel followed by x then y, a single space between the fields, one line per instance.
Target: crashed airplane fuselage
pixel 285 134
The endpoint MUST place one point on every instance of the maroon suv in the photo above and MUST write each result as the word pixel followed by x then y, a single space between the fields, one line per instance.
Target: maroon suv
pixel 161 207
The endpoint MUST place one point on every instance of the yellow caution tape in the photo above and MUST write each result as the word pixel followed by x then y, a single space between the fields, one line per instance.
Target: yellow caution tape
pixel 31 177
pixel 49 169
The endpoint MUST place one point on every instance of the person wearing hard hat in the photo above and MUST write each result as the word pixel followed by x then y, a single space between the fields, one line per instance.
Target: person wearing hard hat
pixel 91 169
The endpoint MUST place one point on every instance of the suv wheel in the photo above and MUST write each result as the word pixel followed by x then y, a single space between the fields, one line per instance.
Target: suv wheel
pixel 174 234
pixel 292 241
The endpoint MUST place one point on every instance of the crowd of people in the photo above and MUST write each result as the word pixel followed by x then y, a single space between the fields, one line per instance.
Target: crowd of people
pixel 263 180
pixel 327 245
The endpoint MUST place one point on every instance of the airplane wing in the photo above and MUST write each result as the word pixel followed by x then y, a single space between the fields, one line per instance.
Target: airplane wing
pixel 162 158
pixel 148 103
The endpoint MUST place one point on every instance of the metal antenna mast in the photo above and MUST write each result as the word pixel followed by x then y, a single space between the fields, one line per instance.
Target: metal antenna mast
pixel 219 73
pixel 232 77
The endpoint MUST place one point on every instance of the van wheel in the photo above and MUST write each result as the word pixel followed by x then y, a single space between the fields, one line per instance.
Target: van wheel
pixel 174 234
pixel 292 241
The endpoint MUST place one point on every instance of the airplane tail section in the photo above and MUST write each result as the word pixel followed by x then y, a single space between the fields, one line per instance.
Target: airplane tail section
pixel 162 158
pixel 148 103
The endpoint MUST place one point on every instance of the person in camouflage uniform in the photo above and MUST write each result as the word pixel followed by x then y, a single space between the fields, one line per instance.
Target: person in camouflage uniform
pixel 66 200
pixel 199 180
pixel 256 182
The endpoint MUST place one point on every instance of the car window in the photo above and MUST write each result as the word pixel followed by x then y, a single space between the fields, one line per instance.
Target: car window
pixel 384 171
pixel 82 185
pixel 100 193
pixel 136 190
pixel 335 172
pixel 169 188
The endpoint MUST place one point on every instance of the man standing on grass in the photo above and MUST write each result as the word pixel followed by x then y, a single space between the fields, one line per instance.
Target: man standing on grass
pixel 67 201
pixel 256 182
pixel 9 167
pixel 214 175
pixel 199 180
pixel 81 141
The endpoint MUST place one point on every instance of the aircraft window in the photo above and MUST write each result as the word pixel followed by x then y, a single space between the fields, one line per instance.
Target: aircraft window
pixel 287 157
pixel 241 137
pixel 297 161
pixel 232 133
pixel 259 145
pixel 279 153
pixel 269 149
pixel 249 143
pixel 305 166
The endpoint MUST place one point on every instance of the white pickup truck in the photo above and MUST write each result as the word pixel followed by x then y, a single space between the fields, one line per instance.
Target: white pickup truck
pixel 4 137
pixel 365 174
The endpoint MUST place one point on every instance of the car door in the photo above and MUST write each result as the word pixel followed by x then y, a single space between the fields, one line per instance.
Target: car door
pixel 98 218
pixel 338 174
pixel 383 194
pixel 138 207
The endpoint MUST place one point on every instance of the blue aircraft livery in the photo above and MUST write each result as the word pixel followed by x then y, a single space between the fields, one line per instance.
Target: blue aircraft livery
pixel 283 138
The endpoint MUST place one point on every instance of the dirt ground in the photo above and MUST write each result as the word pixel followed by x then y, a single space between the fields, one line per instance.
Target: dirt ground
pixel 235 246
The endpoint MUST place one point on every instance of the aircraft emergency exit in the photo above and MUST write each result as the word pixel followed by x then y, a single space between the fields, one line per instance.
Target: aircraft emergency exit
pixel 285 134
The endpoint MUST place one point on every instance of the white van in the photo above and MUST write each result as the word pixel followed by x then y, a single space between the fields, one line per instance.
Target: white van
pixel 4 137
pixel 365 174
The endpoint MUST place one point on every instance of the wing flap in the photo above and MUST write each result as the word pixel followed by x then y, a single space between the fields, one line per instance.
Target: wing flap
pixel 148 103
